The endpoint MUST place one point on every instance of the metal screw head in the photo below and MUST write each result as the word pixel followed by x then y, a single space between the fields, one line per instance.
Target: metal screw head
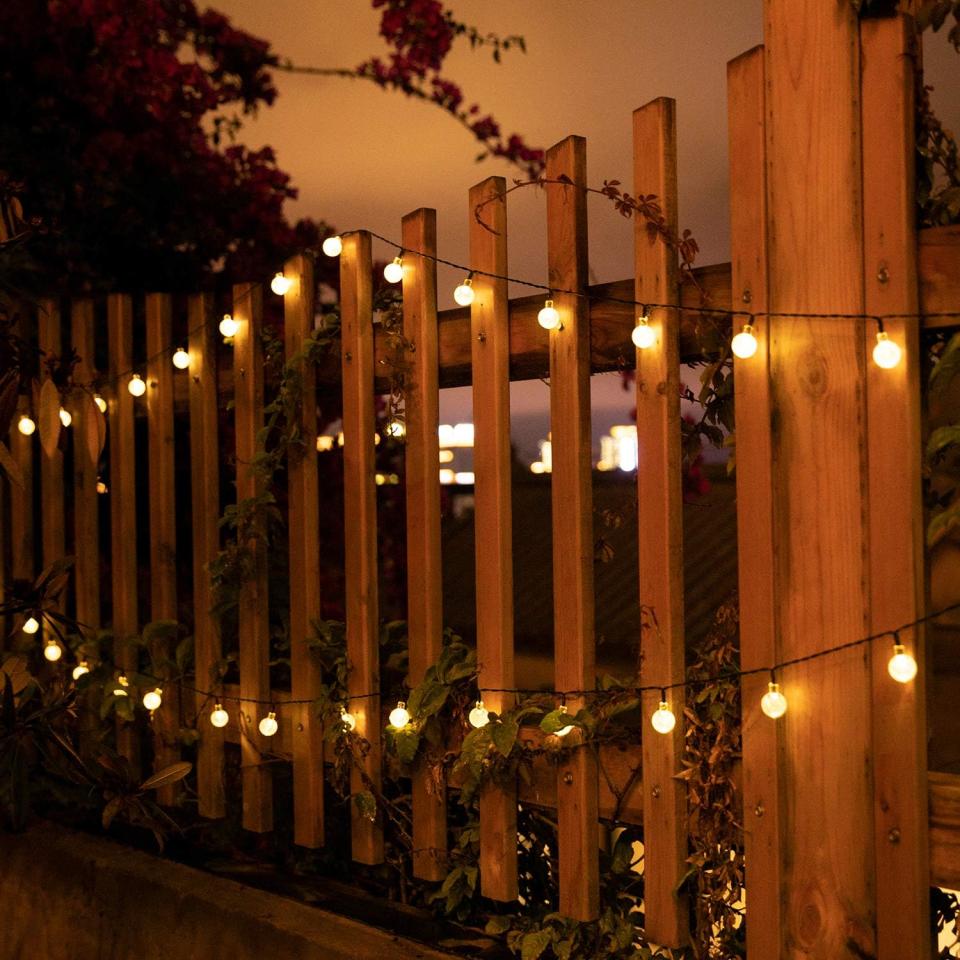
pixel 481 337
pixel 883 275
pixel 894 835
pixel 759 810
pixel 747 296
pixel 568 778
pixel 299 728
pixel 348 356
pixel 655 792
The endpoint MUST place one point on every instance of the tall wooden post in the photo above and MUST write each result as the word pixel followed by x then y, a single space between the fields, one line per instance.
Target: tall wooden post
pixel 53 525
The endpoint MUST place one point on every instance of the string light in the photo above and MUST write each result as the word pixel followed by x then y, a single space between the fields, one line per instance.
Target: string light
pixel 548 317
pixel 136 386
pixel 465 294
pixel 663 720
pixel 398 715
pixel 31 625
pixel 396 429
pixel 886 353
pixel 52 650
pixel 773 703
pixel 26 425
pixel 643 335
pixel 181 359
pixel 563 731
pixel 100 402
pixel 229 326
pixel 479 716
pixel 268 725
pixel 280 284
pixel 153 698
pixel 744 344
pixel 120 690
pixel 81 669
pixel 332 246
pixel 902 667
pixel 218 716
pixel 65 417
pixel 101 486
pixel 393 272
pixel 348 719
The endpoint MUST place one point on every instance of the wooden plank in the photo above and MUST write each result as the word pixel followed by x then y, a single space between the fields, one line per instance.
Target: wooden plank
pixel 253 612
pixel 53 526
pixel 572 505
pixel 815 257
pixel 944 804
pixel 493 519
pixel 303 506
pixel 360 533
pixel 22 535
pixel 422 481
pixel 205 500
pixel 895 516
pixel 939 270
pixel 124 584
pixel 660 538
pixel 758 629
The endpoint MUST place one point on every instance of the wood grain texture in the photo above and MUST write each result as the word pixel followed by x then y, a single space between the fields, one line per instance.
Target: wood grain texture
pixel 205 510
pixel 895 518
pixel 944 805
pixel 572 505
pixel 762 738
pixel 493 519
pixel 815 256
pixel 939 270
pixel 22 533
pixel 360 532
pixel 422 481
pixel 253 613
pixel 53 526
pixel 303 521
pixel 660 537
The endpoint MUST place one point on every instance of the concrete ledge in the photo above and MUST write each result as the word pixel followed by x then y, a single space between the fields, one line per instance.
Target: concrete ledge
pixel 69 896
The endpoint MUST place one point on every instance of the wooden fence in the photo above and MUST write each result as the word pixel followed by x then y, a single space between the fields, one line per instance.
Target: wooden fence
pixel 840 846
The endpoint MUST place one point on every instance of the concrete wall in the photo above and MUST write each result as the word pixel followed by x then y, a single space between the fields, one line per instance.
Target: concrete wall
pixel 68 896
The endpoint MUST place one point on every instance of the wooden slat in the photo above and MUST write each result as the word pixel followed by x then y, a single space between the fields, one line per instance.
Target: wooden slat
pixel 815 257
pixel 422 479
pixel 940 274
pixel 253 612
pixel 53 525
pixel 22 538
pixel 572 505
pixel 205 499
pixel 124 584
pixel 944 804
pixel 758 633
pixel 304 525
pixel 895 504
pixel 493 519
pixel 660 539
pixel 360 532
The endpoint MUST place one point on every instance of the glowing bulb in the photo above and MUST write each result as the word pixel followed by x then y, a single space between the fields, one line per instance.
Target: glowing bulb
pixel 136 386
pixel 395 428
pixel 348 719
pixel 229 326
pixel 643 335
pixel 65 417
pixel 26 426
pixel 393 272
pixel 80 670
pixel 332 246
pixel 280 284
pixel 886 353
pixel 52 651
pixel 153 698
pixel 399 716
pixel 31 625
pixel 479 716
pixel 268 725
pixel 101 487
pixel 100 402
pixel 548 317
pixel 121 689
pixel 181 359
pixel 773 703
pixel 219 716
pixel 902 667
pixel 663 720
pixel 744 344
pixel 465 294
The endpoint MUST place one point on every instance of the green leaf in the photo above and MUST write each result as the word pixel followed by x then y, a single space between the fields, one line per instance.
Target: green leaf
pixel 366 804
pixel 160 630
pixel 555 720
pixel 497 926
pixel 172 774
pixel 533 944
pixel 427 698
pixel 943 524
pixel 504 735
pixel 941 440
pixel 406 742
pixel 947 366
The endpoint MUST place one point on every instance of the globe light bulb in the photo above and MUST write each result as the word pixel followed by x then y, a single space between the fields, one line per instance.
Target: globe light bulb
pixel 228 326
pixel 744 344
pixel 65 417
pixel 218 716
pixel 153 698
pixel 101 487
pixel 663 720
pixel 479 716
pixel 31 625
pixel 26 426
pixel 465 294
pixel 548 317
pixel 181 359
pixel 399 716
pixel 393 272
pixel 268 725
pixel 643 335
pixel 563 731
pixel 80 669
pixel 332 246
pixel 902 667
pixel 773 703
pixel 120 690
pixel 280 284
pixel 348 719
pixel 52 651
pixel 395 428
pixel 100 402
pixel 886 353
pixel 136 386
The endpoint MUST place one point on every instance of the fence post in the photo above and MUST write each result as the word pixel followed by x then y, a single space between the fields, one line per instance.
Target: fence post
pixel 360 535
pixel 572 504
pixel 53 521
pixel 22 537
pixel 493 517
pixel 304 525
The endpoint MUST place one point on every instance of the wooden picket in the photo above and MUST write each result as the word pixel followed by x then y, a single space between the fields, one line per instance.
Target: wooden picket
pixel 53 529
pixel 22 535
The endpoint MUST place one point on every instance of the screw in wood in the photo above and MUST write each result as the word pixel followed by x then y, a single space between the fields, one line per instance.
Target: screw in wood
pixel 759 810
pixel 656 793
pixel 747 296
pixel 568 778
pixel 894 835
pixel 883 274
